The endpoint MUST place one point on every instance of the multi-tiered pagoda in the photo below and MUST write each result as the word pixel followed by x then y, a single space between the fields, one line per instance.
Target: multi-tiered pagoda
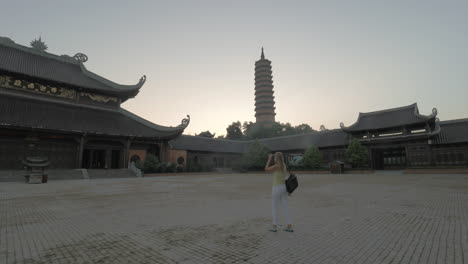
pixel 264 99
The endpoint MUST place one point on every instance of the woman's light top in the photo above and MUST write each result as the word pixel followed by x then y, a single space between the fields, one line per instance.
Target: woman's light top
pixel 278 177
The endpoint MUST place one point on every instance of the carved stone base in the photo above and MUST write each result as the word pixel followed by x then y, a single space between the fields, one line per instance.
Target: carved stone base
pixel 35 178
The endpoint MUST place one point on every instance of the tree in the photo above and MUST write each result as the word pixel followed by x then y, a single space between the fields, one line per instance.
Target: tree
pixel 323 128
pixel 287 130
pixel 313 158
pixel 206 134
pixel 356 154
pixel 234 131
pixel 151 164
pixel 256 156
pixel 247 128
pixel 251 130
pixel 303 129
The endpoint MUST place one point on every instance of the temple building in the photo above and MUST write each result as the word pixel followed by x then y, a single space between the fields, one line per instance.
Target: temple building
pixel 264 99
pixel 52 106
pixel 395 138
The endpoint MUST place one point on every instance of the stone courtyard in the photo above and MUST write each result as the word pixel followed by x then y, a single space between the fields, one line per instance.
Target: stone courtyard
pixel 386 217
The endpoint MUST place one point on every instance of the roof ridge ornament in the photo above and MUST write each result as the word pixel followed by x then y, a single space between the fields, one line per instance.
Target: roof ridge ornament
pixel 185 122
pixel 39 45
pixel 142 80
pixel 81 57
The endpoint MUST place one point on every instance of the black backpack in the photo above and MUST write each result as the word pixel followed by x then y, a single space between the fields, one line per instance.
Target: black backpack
pixel 291 183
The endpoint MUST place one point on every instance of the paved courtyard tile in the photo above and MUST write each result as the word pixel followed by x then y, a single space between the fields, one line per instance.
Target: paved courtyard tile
pixel 375 218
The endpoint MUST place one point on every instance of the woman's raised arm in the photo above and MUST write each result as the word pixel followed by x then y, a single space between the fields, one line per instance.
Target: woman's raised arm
pixel 269 168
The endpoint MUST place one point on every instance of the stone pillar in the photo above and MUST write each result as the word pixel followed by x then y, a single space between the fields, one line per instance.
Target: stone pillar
pixel 108 159
pixel 79 158
pixel 126 152
pixel 370 160
pixel 162 152
pixel 407 160
pixel 91 158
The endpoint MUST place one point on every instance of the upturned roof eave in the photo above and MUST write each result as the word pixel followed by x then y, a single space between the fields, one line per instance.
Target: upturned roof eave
pixel 113 88
pixel 423 119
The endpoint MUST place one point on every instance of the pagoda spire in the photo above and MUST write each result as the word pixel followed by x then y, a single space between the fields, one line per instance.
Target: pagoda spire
pixel 263 55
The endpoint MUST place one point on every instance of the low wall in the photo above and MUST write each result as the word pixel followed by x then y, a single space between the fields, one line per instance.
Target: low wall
pixel 437 171
pixel 18 175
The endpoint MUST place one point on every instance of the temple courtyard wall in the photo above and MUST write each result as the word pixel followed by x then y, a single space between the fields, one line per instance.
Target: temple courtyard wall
pixel 385 217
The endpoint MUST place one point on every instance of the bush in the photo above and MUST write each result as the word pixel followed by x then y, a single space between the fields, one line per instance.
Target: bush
pixel 356 154
pixel 171 167
pixel 162 167
pixel 179 169
pixel 139 164
pixel 256 157
pixel 151 164
pixel 313 158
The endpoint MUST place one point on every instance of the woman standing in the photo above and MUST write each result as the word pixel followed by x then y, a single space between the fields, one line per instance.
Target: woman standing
pixel 279 194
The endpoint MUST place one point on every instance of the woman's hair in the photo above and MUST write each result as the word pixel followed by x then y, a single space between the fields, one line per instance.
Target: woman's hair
pixel 279 155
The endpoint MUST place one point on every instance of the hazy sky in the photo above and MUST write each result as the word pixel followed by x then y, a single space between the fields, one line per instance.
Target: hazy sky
pixel 331 59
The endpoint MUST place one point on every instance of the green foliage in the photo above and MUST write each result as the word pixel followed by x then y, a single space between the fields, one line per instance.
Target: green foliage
pixel 253 130
pixel 179 169
pixel 162 167
pixel 151 164
pixel 356 154
pixel 206 134
pixel 171 167
pixel 313 158
pixel 234 131
pixel 303 129
pixel 256 157
pixel 139 164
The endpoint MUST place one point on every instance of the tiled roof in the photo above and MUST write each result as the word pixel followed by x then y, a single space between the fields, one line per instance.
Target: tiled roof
pixel 34 114
pixel 63 69
pixel 295 142
pixel 196 143
pixel 395 117
pixel 320 139
pixel 452 131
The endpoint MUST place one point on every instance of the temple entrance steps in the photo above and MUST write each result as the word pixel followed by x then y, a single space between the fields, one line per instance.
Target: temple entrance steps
pixel 70 174
pixel 110 173
pixel 12 175
pixel 18 175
